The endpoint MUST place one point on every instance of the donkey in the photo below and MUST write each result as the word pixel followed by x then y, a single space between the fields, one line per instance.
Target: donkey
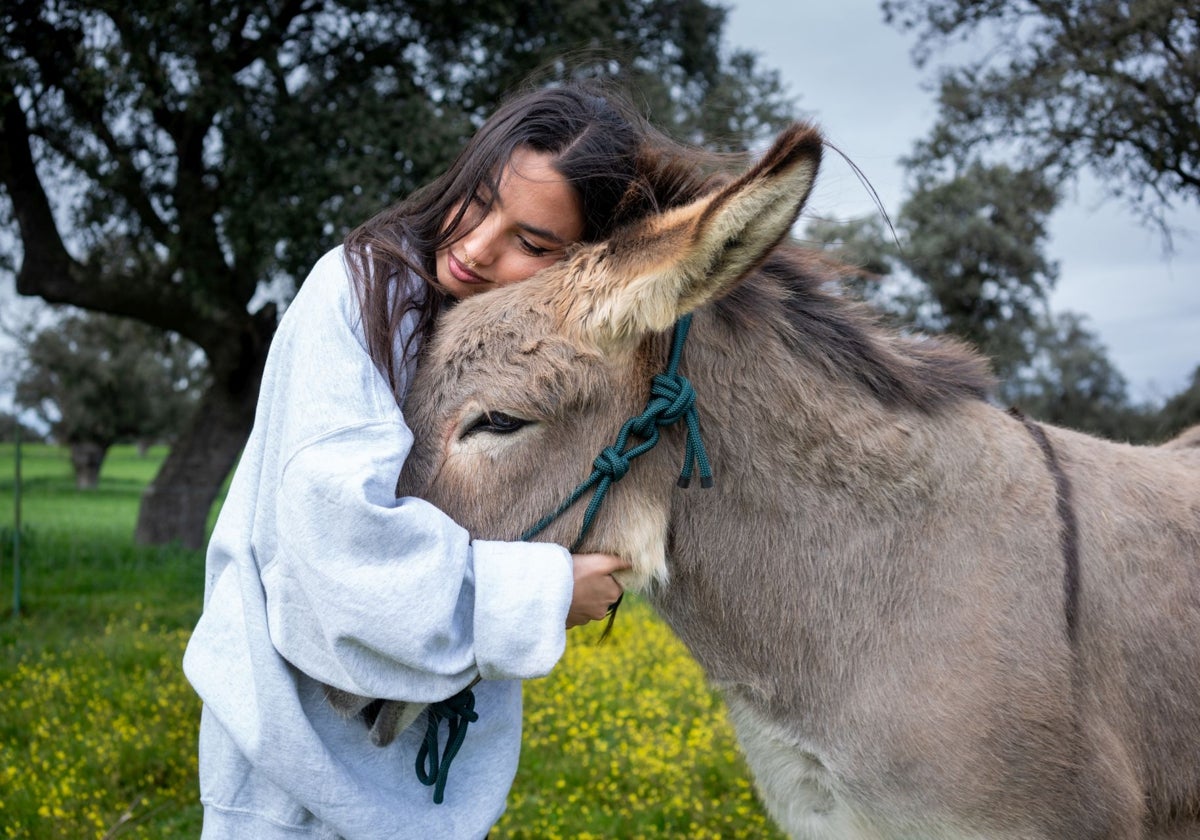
pixel 929 618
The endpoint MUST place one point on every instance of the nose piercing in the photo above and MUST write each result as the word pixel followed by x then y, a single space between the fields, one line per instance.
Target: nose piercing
pixel 468 260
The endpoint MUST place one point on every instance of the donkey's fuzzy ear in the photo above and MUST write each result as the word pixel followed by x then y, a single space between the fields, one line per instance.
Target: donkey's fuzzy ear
pixel 668 265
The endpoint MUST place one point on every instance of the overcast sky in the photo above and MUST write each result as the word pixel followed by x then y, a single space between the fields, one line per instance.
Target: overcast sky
pixel 853 75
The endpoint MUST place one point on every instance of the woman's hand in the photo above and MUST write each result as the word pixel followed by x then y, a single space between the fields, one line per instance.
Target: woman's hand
pixel 595 588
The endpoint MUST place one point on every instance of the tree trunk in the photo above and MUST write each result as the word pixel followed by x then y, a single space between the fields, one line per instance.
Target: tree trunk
pixel 87 458
pixel 176 505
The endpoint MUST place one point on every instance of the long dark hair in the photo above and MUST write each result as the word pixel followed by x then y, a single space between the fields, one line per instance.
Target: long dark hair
pixel 618 164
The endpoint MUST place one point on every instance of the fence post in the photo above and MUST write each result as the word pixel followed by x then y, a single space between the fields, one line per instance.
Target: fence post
pixel 17 528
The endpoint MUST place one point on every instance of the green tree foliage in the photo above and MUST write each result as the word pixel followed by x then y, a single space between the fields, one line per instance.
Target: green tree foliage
pixel 966 257
pixel 1106 85
pixel 1180 411
pixel 977 243
pixel 862 245
pixel 97 380
pixel 1071 382
pixel 1056 369
pixel 170 162
pixel 869 256
pixel 11 425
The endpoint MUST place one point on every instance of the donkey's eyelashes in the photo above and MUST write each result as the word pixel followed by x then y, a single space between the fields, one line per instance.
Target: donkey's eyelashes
pixel 496 423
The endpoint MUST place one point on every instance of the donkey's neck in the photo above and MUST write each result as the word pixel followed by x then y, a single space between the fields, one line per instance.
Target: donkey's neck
pixel 816 446
pixel 793 305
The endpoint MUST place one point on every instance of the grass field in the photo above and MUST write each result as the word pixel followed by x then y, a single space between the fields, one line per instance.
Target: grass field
pixel 98 725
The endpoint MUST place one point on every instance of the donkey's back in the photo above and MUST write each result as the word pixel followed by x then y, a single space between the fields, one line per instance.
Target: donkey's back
pixel 1138 531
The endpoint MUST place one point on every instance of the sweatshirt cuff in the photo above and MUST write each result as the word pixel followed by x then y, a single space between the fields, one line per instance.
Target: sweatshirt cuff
pixel 522 595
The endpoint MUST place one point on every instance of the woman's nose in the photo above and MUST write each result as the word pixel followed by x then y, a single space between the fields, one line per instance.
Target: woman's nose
pixel 480 243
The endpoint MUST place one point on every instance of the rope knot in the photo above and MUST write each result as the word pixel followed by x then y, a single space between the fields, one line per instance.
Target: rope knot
pixel 679 395
pixel 645 425
pixel 612 463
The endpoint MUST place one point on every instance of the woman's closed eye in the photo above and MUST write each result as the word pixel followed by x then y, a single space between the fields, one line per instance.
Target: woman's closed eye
pixel 534 250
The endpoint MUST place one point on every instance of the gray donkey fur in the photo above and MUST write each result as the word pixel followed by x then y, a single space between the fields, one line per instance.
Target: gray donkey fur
pixel 876 582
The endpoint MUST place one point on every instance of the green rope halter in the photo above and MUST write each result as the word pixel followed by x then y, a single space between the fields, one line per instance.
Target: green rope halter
pixel 672 399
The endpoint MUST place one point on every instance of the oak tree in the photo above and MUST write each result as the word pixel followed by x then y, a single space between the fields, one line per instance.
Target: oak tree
pixel 1104 85
pixel 97 380
pixel 184 164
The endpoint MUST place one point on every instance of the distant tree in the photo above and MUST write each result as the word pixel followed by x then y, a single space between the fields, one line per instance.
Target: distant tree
pixel 97 380
pixel 171 162
pixel 975 247
pixel 1071 382
pixel 869 257
pixel 1105 85
pixel 862 245
pixel 967 257
pixel 977 242
pixel 11 423
pixel 1180 411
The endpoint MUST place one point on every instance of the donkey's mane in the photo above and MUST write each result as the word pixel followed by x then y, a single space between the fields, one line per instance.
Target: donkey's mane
pixel 797 291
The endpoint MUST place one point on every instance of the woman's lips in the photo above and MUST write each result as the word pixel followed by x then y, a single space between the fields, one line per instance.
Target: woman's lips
pixel 460 272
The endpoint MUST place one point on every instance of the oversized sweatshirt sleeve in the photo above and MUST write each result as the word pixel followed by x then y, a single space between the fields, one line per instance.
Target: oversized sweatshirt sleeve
pixel 380 596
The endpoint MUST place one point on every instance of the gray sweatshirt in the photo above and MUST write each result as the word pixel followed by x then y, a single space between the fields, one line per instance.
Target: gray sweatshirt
pixel 316 574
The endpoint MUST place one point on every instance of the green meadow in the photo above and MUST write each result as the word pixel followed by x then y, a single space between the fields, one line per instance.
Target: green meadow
pixel 98 724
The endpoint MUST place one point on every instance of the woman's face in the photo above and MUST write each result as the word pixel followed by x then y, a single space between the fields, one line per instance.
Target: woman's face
pixel 533 217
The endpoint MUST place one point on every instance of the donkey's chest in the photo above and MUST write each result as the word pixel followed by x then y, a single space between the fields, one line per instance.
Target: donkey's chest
pixel 810 798
pixel 797 786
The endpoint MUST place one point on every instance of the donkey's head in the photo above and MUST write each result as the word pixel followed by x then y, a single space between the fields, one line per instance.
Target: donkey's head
pixel 522 387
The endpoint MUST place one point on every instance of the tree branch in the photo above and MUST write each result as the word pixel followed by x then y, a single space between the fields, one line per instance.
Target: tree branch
pixel 61 75
pixel 50 272
pixel 45 253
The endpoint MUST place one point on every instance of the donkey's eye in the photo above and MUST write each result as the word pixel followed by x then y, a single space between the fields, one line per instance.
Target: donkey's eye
pixel 496 423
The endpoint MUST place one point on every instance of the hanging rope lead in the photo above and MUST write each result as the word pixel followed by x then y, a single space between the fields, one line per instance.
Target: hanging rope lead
pixel 672 399
pixel 458 712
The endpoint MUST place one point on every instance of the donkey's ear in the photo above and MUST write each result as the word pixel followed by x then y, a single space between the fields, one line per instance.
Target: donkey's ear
pixel 668 265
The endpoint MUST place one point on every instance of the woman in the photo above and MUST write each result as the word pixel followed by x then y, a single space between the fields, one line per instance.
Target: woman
pixel 318 576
